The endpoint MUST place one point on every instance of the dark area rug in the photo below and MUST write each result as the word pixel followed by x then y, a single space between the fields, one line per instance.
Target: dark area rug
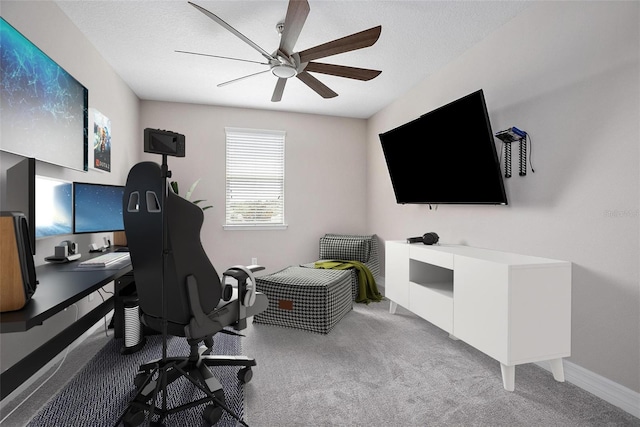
pixel 101 391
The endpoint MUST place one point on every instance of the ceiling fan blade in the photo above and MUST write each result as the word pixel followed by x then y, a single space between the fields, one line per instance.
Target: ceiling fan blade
pixel 355 41
pixel 242 78
pixel 316 85
pixel 342 71
pixel 277 92
pixel 234 31
pixel 297 13
pixel 222 57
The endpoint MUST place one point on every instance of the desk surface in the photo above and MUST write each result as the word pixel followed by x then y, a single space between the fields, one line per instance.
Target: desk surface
pixel 60 285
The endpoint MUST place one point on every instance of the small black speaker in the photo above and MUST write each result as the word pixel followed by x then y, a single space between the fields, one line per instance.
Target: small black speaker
pixel 430 238
pixel 18 279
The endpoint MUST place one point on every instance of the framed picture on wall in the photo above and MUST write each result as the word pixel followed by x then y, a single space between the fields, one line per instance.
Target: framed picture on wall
pixel 100 147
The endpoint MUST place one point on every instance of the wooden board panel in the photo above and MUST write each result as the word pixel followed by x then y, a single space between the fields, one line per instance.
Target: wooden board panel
pixel 12 295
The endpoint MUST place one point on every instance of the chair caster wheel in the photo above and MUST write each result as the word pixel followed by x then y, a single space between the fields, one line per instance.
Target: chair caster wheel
pixel 213 413
pixel 245 375
pixel 133 418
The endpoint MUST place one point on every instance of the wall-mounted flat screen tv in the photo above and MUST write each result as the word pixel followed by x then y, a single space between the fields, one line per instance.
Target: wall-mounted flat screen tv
pixel 446 156
pixel 43 109
pixel 97 208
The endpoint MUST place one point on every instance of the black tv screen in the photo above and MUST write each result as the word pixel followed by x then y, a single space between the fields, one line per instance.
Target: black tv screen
pixel 446 156
pixel 97 208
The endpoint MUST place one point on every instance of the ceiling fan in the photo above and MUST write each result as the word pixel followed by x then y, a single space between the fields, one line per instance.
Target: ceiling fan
pixel 284 63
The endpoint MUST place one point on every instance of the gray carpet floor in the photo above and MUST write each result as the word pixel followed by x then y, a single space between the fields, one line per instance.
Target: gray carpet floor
pixel 378 369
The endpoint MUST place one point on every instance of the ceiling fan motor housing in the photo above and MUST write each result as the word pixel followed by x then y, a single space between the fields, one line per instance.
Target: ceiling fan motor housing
pixel 284 71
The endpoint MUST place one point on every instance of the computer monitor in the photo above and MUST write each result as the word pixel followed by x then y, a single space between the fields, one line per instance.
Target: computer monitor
pixel 53 207
pixel 97 208
pixel 21 194
pixel 45 202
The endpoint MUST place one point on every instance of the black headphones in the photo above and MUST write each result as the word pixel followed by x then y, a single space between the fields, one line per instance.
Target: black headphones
pixel 430 238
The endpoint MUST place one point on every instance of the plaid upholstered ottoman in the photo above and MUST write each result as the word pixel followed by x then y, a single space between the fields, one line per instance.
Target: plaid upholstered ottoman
pixel 305 298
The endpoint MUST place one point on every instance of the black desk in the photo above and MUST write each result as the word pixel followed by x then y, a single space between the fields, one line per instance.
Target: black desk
pixel 60 286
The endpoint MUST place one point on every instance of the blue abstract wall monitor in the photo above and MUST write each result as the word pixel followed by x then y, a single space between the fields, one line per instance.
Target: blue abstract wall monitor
pixel 43 108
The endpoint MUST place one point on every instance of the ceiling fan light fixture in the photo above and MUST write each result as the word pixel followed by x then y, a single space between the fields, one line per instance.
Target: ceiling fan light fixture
pixel 284 71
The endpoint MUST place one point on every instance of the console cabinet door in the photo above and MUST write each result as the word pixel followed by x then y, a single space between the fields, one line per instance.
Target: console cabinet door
pixel 480 307
pixel 539 312
pixel 396 277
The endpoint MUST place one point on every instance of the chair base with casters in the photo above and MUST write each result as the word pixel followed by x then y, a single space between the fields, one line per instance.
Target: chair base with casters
pixel 195 368
pixel 154 376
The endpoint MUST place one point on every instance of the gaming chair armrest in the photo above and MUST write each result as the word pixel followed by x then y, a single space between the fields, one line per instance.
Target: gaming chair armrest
pixel 232 314
pixel 201 324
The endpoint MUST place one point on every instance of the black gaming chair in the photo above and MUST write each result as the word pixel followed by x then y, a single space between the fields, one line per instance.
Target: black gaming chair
pixel 193 304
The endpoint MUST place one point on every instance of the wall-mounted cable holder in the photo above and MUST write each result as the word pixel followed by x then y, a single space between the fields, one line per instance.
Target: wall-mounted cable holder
pixel 523 157
pixel 507 159
pixel 508 137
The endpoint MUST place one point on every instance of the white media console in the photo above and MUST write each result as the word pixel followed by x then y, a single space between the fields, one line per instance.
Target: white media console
pixel 514 308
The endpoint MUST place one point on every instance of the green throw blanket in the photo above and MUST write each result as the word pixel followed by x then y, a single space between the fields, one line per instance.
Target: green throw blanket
pixel 368 290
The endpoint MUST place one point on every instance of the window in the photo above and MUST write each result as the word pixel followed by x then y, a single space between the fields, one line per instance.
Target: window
pixel 254 179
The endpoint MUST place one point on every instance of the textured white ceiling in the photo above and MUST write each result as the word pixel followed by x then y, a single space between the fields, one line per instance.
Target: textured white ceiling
pixel 139 38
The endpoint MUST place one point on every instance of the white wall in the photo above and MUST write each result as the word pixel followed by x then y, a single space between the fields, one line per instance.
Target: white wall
pixel 325 173
pixel 567 73
pixel 49 28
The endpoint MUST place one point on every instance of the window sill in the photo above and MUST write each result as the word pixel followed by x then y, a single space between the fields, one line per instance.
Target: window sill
pixel 254 227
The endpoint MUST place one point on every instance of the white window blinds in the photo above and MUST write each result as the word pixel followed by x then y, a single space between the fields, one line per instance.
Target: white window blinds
pixel 254 178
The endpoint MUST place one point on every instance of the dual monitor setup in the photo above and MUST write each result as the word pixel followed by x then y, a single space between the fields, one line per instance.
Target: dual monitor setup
pixel 55 207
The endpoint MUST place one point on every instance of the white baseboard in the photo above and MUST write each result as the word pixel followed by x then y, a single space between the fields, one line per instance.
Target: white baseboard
pixel 607 390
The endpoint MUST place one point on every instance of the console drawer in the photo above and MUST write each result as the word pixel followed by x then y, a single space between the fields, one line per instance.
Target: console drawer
pixel 433 303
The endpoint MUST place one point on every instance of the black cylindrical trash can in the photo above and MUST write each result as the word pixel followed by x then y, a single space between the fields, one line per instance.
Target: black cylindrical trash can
pixel 134 339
